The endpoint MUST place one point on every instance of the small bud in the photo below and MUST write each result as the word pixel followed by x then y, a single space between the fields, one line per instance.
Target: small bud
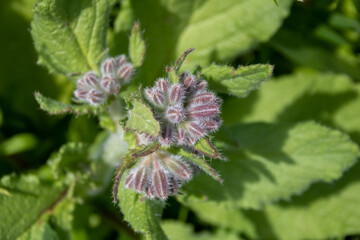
pixel 167 134
pixel 140 179
pixel 88 81
pixel 96 97
pixel 178 167
pixel 158 98
pixel 201 85
pixel 203 97
pixel 125 71
pixel 195 130
pixel 176 94
pixel 175 114
pixel 181 136
pixel 109 84
pixel 211 125
pixel 159 181
pixel 81 93
pixel 189 82
pixel 163 85
pixel 174 186
pixel 108 66
pixel 204 110
pixel 120 60
pixel 129 181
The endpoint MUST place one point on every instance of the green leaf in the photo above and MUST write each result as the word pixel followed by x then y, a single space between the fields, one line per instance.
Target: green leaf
pixel 30 198
pixel 142 120
pixel 18 143
pixel 40 231
pixel 273 162
pixel 136 46
pixel 332 99
pixel 204 146
pixel 239 82
pixel 201 162
pixel 179 231
pixel 54 107
pixel 70 36
pixel 142 214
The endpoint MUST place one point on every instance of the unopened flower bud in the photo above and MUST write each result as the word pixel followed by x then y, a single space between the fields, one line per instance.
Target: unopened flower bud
pixel 203 97
pixel 81 93
pixel 167 134
pixel 120 60
pixel 88 81
pixel 178 167
pixel 176 94
pixel 163 85
pixel 175 114
pixel 201 85
pixel 109 84
pixel 159 181
pixel 210 125
pixel 181 136
pixel 189 82
pixel 158 98
pixel 108 66
pixel 125 71
pixel 204 110
pixel 129 181
pixel 195 130
pixel 140 179
pixel 96 97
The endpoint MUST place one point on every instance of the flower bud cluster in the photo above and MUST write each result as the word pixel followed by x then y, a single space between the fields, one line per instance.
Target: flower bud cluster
pixel 158 175
pixel 187 111
pixel 95 90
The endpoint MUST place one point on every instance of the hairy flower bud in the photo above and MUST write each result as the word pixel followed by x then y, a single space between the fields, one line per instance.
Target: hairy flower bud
pixel 204 110
pixel 125 71
pixel 175 114
pixel 202 85
pixel 81 94
pixel 176 94
pixel 120 60
pixel 195 130
pixel 109 84
pixel 88 81
pixel 108 66
pixel 189 82
pixel 163 85
pixel 96 97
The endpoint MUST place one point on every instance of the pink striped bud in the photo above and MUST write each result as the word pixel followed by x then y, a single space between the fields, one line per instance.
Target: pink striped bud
pixel 125 71
pixel 204 110
pixel 129 181
pixel 167 134
pixel 120 60
pixel 189 82
pixel 201 85
pixel 150 192
pixel 203 97
pixel 211 125
pixel 195 130
pixel 175 114
pixel 159 181
pixel 88 81
pixel 81 93
pixel 96 97
pixel 108 66
pixel 109 84
pixel 179 169
pixel 181 136
pixel 163 85
pixel 158 98
pixel 140 179
pixel 176 94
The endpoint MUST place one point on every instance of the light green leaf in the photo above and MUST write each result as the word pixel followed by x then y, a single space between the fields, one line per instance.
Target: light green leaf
pixel 204 146
pixel 239 82
pixel 332 99
pixel 70 36
pixel 179 231
pixel 54 107
pixel 18 143
pixel 141 119
pixel 40 231
pixel 273 162
pixel 30 198
pixel 136 46
pixel 142 214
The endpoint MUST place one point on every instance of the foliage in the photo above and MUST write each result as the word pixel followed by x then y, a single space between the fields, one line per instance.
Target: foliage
pixel 283 164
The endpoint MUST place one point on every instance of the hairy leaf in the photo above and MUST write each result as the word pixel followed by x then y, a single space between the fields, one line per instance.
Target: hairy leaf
pixel 239 82
pixel 273 162
pixel 136 46
pixel 204 146
pixel 70 36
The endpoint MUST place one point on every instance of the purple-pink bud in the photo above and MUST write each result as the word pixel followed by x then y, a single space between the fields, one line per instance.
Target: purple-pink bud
pixel 150 192
pixel 125 71
pixel 176 94
pixel 204 110
pixel 178 168
pixel 109 84
pixel 195 130
pixel 203 97
pixel 181 135
pixel 158 97
pixel 108 66
pixel 88 81
pixel 129 181
pixel 96 97
pixel 140 179
pixel 163 85
pixel 167 134
pixel 210 125
pixel 201 85
pixel 174 186
pixel 175 114
pixel 189 81
pixel 120 60
pixel 81 93
pixel 159 181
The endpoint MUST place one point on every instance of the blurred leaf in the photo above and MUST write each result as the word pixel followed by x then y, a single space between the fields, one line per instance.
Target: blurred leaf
pixel 332 99
pixel 70 36
pixel 180 231
pixel 137 46
pixel 239 82
pixel 142 214
pixel 142 120
pixel 273 162
pixel 18 143
pixel 30 198
pixel 54 107
pixel 40 231
pixel 344 22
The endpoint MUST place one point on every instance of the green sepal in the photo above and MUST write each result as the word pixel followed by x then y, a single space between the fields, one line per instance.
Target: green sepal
pixel 205 147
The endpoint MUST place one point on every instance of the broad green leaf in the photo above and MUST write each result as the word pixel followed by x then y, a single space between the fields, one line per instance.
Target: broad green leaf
pixel 142 214
pixel 70 36
pixel 54 107
pixel 270 162
pixel 238 82
pixel 217 31
pixel 204 146
pixel 136 46
pixel 179 231
pixel 332 99
pixel 141 119
pixel 30 198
